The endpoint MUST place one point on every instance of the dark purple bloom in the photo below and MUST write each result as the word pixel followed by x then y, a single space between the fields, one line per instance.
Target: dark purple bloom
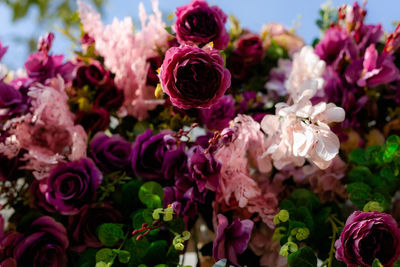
pixel 98 119
pixel 3 50
pixel 93 75
pixel 8 242
pixel 250 100
pixel 368 236
pixel 83 226
pixel 152 76
pixel 335 46
pixel 203 168
pixel 231 239
pixel 72 185
pixel 148 153
pixel 11 100
pixel 44 244
pixel 198 23
pixel 373 70
pixel 367 35
pixel 10 167
pixel 174 165
pixel 110 153
pixel 194 77
pixel 218 116
pixel 110 98
pixel 41 67
pixel 39 198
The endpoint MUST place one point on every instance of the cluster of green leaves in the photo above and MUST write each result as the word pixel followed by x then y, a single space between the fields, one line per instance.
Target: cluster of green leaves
pixel 375 173
pixel 138 201
pixel 303 232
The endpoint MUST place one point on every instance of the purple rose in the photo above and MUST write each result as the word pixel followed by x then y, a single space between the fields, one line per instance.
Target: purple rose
pixel 174 165
pixel 94 75
pixel 83 226
pixel 198 23
pixel 231 239
pixel 8 242
pixel 218 116
pixel 335 46
pixel 73 184
pixel 149 152
pixel 110 153
pixel 194 77
pixel 39 198
pixel 368 236
pixel 203 168
pixel 44 244
pixel 249 47
pixel 98 119
pixel 11 101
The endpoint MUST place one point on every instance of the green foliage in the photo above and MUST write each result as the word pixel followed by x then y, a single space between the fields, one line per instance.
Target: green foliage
pixel 105 255
pixel 304 257
pixel 156 253
pixel 375 173
pixel 327 16
pixel 151 194
pixel 124 256
pixel 109 234
pixel 377 263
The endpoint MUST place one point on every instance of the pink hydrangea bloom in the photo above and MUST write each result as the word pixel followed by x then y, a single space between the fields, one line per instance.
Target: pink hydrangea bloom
pixel 47 133
pixel 307 68
pixel 300 131
pixel 125 53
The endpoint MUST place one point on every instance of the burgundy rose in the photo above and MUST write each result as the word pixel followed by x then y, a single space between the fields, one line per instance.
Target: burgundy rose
pixel 94 75
pixel 194 77
pixel 39 198
pixel 368 236
pixel 83 226
pixel 98 119
pixel 148 153
pixel 231 239
pixel 218 116
pixel 198 23
pixel 110 98
pixel 72 185
pixel 110 153
pixel 44 244
pixel 249 46
pixel 203 168
pixel 152 76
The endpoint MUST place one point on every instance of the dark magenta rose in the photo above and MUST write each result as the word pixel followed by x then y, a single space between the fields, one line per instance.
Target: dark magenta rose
pixel 368 236
pixel 44 244
pixel 98 119
pixel 198 23
pixel 110 153
pixel 8 241
pixel 93 75
pixel 218 116
pixel 39 198
pixel 231 239
pixel 148 153
pixel 203 168
pixel 72 185
pixel 110 98
pixel 83 226
pixel 194 77
pixel 154 65
pixel 249 47
pixel 12 101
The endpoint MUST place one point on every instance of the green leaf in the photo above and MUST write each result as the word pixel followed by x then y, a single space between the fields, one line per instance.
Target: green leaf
pixel 102 264
pixel 142 216
pixel 304 257
pixel 105 255
pixel 151 194
pixel 124 256
pixel 156 252
pixel 177 225
pixel 305 198
pixel 358 156
pixel 109 234
pixel 87 258
pixel 359 174
pixel 377 263
pixel 359 193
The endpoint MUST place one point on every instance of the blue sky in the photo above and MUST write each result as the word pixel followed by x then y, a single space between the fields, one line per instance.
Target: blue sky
pixel 251 13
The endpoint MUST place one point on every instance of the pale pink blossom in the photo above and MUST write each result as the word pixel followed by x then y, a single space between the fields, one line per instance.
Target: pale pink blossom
pixel 300 131
pixel 47 133
pixel 307 71
pixel 125 53
pixel 248 147
pixel 278 33
pixel 278 76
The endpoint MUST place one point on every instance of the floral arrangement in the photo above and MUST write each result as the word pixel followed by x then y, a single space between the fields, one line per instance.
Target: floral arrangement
pixel 250 149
